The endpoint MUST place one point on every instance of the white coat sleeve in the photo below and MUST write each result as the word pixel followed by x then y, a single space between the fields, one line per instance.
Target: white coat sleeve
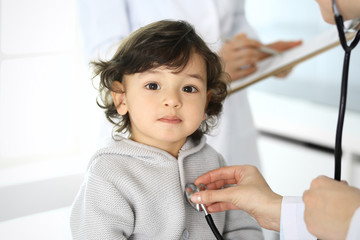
pixel 292 224
pixel 102 24
pixel 354 229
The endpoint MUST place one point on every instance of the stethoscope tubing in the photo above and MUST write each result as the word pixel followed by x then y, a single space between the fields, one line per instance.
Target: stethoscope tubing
pixel 213 227
pixel 344 86
pixel 191 188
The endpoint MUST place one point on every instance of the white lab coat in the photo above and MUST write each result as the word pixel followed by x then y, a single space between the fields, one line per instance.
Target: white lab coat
pixel 104 23
pixel 292 226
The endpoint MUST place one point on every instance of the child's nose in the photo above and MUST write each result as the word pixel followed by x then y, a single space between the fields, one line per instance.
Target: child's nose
pixel 172 100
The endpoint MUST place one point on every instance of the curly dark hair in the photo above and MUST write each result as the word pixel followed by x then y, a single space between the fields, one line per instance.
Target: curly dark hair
pixel 163 43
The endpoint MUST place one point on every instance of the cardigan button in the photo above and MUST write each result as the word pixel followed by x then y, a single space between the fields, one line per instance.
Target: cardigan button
pixel 185 234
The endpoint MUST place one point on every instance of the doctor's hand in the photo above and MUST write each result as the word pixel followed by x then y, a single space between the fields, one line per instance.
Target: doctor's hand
pixel 250 193
pixel 240 55
pixel 281 46
pixel 329 207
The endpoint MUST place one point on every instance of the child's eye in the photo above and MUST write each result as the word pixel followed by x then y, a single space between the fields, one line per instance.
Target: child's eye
pixel 190 89
pixel 152 86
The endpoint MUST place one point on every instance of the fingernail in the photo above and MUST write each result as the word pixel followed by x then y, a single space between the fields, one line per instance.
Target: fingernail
pixel 196 198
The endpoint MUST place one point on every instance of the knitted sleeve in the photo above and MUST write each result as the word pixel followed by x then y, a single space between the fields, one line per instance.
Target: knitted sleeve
pixel 100 212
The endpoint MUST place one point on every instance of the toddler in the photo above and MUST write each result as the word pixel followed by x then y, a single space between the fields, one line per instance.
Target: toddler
pixel 165 88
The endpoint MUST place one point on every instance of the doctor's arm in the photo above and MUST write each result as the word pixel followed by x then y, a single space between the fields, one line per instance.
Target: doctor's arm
pixel 252 194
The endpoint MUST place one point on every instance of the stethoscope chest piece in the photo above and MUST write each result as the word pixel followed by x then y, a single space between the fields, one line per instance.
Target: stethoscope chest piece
pixel 190 189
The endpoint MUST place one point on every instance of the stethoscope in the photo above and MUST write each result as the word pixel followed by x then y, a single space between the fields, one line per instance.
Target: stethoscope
pixel 355 25
pixel 190 189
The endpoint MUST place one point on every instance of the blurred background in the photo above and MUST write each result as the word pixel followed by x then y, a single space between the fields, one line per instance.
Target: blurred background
pixel 49 121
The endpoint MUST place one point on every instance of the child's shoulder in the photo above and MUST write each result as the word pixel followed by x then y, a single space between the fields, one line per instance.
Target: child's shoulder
pixel 110 146
pixel 124 151
pixel 111 160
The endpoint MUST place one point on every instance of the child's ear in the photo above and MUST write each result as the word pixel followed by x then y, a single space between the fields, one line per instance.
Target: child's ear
pixel 118 96
pixel 208 97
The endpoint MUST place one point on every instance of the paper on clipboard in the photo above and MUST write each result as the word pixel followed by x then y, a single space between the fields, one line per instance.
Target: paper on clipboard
pixel 277 63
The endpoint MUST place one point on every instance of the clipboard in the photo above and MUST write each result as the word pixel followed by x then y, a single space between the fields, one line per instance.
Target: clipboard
pixel 287 59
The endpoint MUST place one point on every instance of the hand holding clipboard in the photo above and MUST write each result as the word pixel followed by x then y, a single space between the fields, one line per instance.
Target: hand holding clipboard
pixel 277 63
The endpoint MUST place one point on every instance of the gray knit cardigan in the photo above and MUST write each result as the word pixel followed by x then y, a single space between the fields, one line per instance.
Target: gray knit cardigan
pixel 134 191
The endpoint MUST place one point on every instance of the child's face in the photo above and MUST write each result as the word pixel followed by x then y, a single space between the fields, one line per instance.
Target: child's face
pixel 164 106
